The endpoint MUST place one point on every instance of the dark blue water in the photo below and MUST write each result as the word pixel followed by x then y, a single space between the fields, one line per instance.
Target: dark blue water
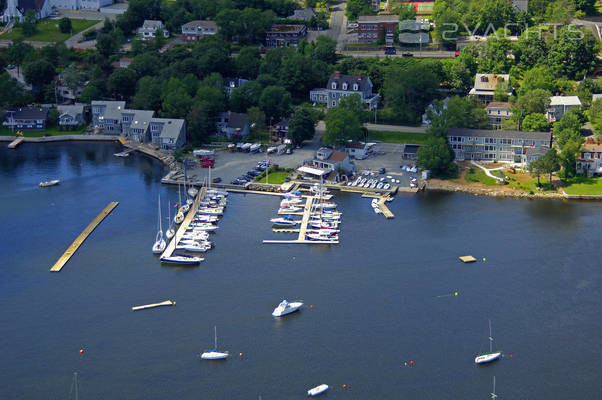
pixel 382 298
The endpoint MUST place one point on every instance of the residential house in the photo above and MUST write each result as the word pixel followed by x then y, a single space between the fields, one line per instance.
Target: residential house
pixel 485 85
pixel 150 27
pixel 233 83
pixel 280 130
pixel 167 133
pixel 303 14
pixel 522 5
pixel 332 160
pixel 194 31
pixel 589 161
pixel 358 150
pixel 596 96
pixel 71 116
pixel 230 124
pixel 371 27
pixel 559 105
pixel 535 153
pixel 26 118
pixel 340 86
pixel 498 112
pixel 281 35
pixel 79 4
pixel 135 124
pixel 123 62
pixel 501 145
pixel 15 9
pixel 106 116
pixel 410 151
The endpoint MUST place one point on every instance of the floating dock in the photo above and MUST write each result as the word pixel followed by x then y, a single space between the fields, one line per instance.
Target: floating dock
pixel 15 143
pixel 467 259
pixel 383 207
pixel 147 306
pixel 82 237
pixel 171 247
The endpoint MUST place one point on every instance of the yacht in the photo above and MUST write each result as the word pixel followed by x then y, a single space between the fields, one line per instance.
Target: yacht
pixel 287 220
pixel 212 211
pixel 193 247
pixel 325 204
pixel 213 354
pixel 205 218
pixel 290 202
pixel 192 191
pixel 318 390
pixel 183 260
pixel 492 355
pixel 203 227
pixel 321 235
pixel 50 183
pixel 289 209
pixel 286 308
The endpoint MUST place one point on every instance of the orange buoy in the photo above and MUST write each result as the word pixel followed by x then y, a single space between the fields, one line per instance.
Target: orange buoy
pixel 344 386
pixel 240 354
pixel 411 362
pixel 510 355
pixel 312 306
pixel 81 351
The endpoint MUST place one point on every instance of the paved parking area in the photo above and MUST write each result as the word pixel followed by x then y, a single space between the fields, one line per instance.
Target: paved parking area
pixel 392 163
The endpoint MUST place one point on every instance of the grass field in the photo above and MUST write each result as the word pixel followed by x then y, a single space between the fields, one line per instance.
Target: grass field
pixel 525 182
pixel 48 31
pixel 276 176
pixel 477 175
pixel 399 137
pixel 583 186
pixel 48 132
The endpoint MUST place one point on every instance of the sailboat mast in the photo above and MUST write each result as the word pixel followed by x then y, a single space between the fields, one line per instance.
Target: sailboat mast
pixel 490 339
pixel 215 330
pixel 75 379
pixel 493 395
pixel 160 225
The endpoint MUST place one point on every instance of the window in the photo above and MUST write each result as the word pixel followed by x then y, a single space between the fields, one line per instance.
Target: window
pixel 344 85
pixel 334 85
pixel 355 86
pixel 484 79
pixel 334 103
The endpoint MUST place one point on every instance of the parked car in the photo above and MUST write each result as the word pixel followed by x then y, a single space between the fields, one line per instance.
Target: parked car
pixel 382 171
pixel 216 180
pixel 407 54
pixel 10 66
pixel 390 50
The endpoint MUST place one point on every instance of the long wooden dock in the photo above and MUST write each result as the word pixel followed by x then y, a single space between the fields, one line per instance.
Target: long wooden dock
pixel 15 143
pixel 82 237
pixel 383 207
pixel 171 247
pixel 147 306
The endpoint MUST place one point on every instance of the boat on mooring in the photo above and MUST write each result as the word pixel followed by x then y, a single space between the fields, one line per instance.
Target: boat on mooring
pixel 318 390
pixel 213 354
pixel 50 183
pixel 492 355
pixel 285 308
pixel 160 242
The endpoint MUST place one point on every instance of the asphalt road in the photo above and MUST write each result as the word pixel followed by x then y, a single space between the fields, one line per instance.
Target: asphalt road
pixel 338 23
pixel 419 54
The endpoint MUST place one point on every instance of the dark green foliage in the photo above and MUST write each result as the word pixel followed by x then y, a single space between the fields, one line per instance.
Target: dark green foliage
pixel 275 102
pixel 65 25
pixel 342 125
pixel 122 83
pixel 39 72
pixel 301 126
pixel 437 157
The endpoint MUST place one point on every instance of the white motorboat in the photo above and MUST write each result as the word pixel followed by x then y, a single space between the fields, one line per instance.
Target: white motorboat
pixel 212 211
pixel 192 191
pixel 193 247
pixel 323 225
pixel 387 186
pixel 160 243
pixel 492 355
pixel 321 235
pixel 285 308
pixel 324 231
pixel 216 192
pixel 170 232
pixel 50 183
pixel 318 390
pixel 184 209
pixel 291 201
pixel 325 204
pixel 183 260
pixel 203 227
pixel 206 218
pixel 213 354
pixel 194 241
pixel 289 209
pixel 287 220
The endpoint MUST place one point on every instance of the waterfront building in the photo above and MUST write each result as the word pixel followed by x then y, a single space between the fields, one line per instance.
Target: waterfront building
pixel 410 151
pixel 15 9
pixel 559 105
pixel 281 35
pixel 589 161
pixel 26 118
pixel 358 150
pixel 231 124
pixel 106 116
pixel 501 145
pixel 135 124
pixel 71 116
pixel 194 31
pixel 340 85
pixel 485 85
pixel 332 160
pixel 168 133
pixel 279 131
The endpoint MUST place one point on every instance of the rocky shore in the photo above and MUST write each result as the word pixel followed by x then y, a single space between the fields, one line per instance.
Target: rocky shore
pixel 493 191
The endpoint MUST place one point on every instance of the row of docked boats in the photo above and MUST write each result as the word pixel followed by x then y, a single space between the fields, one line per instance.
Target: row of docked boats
pixel 370 183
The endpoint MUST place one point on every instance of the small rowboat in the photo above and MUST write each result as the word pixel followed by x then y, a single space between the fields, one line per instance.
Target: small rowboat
pixel 50 183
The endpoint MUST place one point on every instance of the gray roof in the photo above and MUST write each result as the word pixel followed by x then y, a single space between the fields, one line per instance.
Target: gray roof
pixel 378 18
pixel 141 118
pixel 304 14
pixel 235 120
pixel 499 133
pixel 30 113
pixel 286 28
pixel 204 24
pixel 411 148
pixel 73 110
pixel 537 151
pixel 152 24
pixel 113 109
pixel 171 126
pixel 362 81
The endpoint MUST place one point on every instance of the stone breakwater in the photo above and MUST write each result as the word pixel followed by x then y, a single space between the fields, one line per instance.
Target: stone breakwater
pixel 490 191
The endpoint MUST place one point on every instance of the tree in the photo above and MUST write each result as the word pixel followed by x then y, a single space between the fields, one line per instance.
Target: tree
pixel 573 53
pixel 72 77
pixel 148 94
pixel 53 118
pixel 38 73
pixel 567 129
pixel 18 52
pixel 65 25
pixel 245 96
pixel 406 12
pixel 535 168
pixel 438 157
pixel 10 91
pixel 176 102
pixel 535 122
pixel 342 125
pixel 500 93
pixel 29 23
pixel 595 116
pixel 550 163
pixel 247 62
pixel 494 14
pixel 256 118
pixel 539 77
pixel 106 44
pixel 586 6
pixel 122 83
pixel 460 112
pixel 324 49
pixel 275 102
pixel 90 92
pixel 568 157
pixel 301 127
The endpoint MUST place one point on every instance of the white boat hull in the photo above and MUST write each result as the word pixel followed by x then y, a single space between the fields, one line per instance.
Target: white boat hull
pixel 317 390
pixel 181 260
pixel 159 247
pixel 487 358
pixel 214 355
pixel 49 183
pixel 281 311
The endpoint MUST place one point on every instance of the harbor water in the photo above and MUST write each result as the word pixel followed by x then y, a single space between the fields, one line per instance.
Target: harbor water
pixel 395 314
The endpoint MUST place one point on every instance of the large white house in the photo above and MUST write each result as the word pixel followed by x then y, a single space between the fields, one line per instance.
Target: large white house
pixel 15 9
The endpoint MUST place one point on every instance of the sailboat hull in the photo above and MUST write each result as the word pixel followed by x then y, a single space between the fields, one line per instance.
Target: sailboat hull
pixel 487 358
pixel 214 355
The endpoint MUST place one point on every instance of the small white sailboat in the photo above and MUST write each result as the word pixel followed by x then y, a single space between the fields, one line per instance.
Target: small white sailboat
pixel 50 183
pixel 160 243
pixel 285 308
pixel 170 232
pixel 213 354
pixel 179 218
pixel 289 209
pixel 318 390
pixel 491 356
pixel 181 260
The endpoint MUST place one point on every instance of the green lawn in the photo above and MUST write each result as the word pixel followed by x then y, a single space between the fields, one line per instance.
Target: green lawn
pixel 583 186
pixel 399 137
pixel 48 31
pixel 477 175
pixel 4 131
pixel 258 137
pixel 276 176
